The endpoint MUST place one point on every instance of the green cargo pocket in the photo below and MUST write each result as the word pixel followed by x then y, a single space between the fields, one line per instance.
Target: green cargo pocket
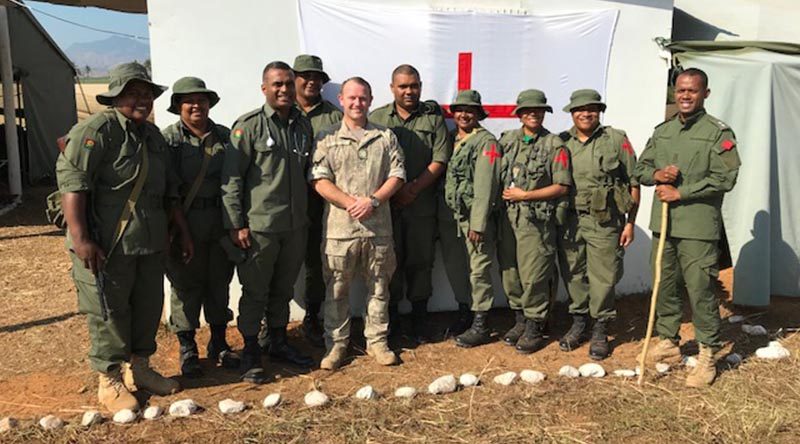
pixel 710 265
pixel 599 205
pixel 623 199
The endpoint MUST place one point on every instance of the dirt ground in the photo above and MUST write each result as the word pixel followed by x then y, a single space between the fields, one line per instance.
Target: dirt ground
pixel 44 370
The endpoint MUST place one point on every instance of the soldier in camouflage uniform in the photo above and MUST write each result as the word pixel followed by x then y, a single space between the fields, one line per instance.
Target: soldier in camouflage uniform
pixel 197 147
pixel 692 160
pixel 357 167
pixel 264 199
pixel 599 220
pixel 118 261
pixel 472 191
pixel 535 174
pixel 422 133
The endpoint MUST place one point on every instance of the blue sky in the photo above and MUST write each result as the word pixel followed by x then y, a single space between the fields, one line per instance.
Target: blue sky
pixel 66 34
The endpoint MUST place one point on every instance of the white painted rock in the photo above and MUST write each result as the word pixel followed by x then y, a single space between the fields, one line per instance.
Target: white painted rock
pixel 735 319
pixel 775 350
pixel 569 371
pixel 271 400
pixel 316 398
pixel 366 393
pixel 532 376
pixel 592 370
pixel 405 392
pixel 754 330
pixel 125 416
pixel 229 406
pixel 690 361
pixel 638 370
pixel 91 418
pixel 625 373
pixel 8 423
pixel 662 367
pixel 468 380
pixel 506 378
pixel 153 412
pixel 184 407
pixel 733 359
pixel 51 422
pixel 445 384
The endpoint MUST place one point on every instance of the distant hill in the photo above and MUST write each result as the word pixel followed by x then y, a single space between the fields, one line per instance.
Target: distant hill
pixel 101 55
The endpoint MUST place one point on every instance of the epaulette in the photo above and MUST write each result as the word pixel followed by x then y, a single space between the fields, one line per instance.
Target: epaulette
pixel 327 131
pixel 249 115
pixel 100 119
pixel 381 109
pixel 564 136
pixel 719 123
pixel 669 119
pixel 432 107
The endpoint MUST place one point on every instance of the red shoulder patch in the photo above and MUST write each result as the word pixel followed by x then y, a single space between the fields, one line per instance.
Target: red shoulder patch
pixel 727 144
pixel 627 147
pixel 562 158
pixel 492 154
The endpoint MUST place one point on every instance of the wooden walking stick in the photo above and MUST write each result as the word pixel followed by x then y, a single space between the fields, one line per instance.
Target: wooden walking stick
pixel 656 283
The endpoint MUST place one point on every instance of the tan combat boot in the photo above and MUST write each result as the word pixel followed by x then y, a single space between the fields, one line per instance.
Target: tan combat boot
pixel 139 376
pixel 334 358
pixel 664 351
pixel 706 370
pixel 382 354
pixel 112 393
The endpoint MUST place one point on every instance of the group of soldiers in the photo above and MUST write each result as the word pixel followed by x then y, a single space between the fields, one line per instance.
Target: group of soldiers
pixel 352 192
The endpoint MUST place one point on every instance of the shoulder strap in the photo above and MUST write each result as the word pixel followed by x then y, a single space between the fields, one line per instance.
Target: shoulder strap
pixel 130 205
pixel 201 175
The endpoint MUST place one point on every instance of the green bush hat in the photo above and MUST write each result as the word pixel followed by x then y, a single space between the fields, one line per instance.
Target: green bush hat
pixel 532 98
pixel 307 62
pixel 583 97
pixel 123 74
pixel 470 97
pixel 190 85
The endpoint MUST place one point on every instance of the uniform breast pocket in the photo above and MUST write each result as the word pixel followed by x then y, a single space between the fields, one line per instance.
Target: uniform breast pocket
pixel 125 167
pixel 609 161
pixel 697 166
pixel 265 158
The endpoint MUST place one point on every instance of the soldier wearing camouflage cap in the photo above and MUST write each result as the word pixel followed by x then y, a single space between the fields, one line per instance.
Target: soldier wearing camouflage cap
pixel 692 160
pixel 535 173
pixel 197 146
pixel 597 222
pixel 472 191
pixel 117 249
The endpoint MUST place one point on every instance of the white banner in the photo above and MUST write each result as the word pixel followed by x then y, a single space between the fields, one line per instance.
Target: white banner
pixel 497 54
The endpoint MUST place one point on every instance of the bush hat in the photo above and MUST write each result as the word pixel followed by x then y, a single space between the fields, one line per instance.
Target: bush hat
pixel 532 98
pixel 190 85
pixel 307 62
pixel 583 97
pixel 123 74
pixel 470 97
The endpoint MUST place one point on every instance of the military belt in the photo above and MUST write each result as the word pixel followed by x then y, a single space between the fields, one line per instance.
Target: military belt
pixel 200 203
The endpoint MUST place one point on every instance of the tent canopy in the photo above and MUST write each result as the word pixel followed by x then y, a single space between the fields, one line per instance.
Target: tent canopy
pixel 137 6
pixel 755 88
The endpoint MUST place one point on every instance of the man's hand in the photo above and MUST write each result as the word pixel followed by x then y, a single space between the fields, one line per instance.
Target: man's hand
pixel 668 174
pixel 93 257
pixel 514 194
pixel 668 193
pixel 405 197
pixel 475 237
pixel 361 209
pixel 241 237
pixel 626 237
pixel 187 246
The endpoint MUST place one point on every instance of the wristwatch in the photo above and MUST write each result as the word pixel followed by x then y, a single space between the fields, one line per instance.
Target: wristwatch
pixel 374 201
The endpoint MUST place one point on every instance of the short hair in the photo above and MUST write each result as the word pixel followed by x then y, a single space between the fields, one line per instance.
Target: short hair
pixel 360 81
pixel 277 64
pixel 405 69
pixel 694 72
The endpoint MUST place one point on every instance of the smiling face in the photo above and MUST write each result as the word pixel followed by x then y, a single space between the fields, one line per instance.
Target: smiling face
pixel 309 85
pixel 135 101
pixel 194 109
pixel 690 94
pixel 355 99
pixel 465 117
pixel 531 118
pixel 586 118
pixel 278 88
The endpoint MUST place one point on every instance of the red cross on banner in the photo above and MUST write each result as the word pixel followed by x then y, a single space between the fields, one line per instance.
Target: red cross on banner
pixel 492 154
pixel 465 82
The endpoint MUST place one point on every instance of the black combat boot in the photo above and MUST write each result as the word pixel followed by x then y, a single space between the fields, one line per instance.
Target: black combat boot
pixel 599 348
pixel 189 357
pixel 512 336
pixel 533 339
pixel 280 350
pixel 263 336
pixel 576 335
pixel 251 368
pixel 419 319
pixel 477 334
pixel 463 321
pixel 312 328
pixel 218 349
pixel 394 322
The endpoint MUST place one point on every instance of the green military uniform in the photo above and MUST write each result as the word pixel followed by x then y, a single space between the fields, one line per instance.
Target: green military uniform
pixel 704 149
pixel 322 116
pixel 527 243
pixel 454 252
pixel 264 189
pixel 103 157
pixel 424 139
pixel 357 166
pixel 472 191
pixel 204 281
pixel 589 253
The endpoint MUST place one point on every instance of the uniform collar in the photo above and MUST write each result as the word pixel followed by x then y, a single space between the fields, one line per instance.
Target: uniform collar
pixel 186 132
pixel 573 132
pixel 128 124
pixel 415 112
pixel 270 112
pixel 691 120
pixel 316 106
pixel 369 132
pixel 534 138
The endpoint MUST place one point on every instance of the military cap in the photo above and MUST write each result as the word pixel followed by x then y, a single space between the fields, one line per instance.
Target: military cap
pixel 470 97
pixel 190 85
pixel 532 98
pixel 583 97
pixel 123 74
pixel 307 62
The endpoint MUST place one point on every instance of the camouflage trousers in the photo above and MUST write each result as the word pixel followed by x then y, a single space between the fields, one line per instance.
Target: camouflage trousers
pixel 374 259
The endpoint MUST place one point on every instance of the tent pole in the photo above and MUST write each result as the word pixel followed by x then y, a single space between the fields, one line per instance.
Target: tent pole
pixel 9 109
